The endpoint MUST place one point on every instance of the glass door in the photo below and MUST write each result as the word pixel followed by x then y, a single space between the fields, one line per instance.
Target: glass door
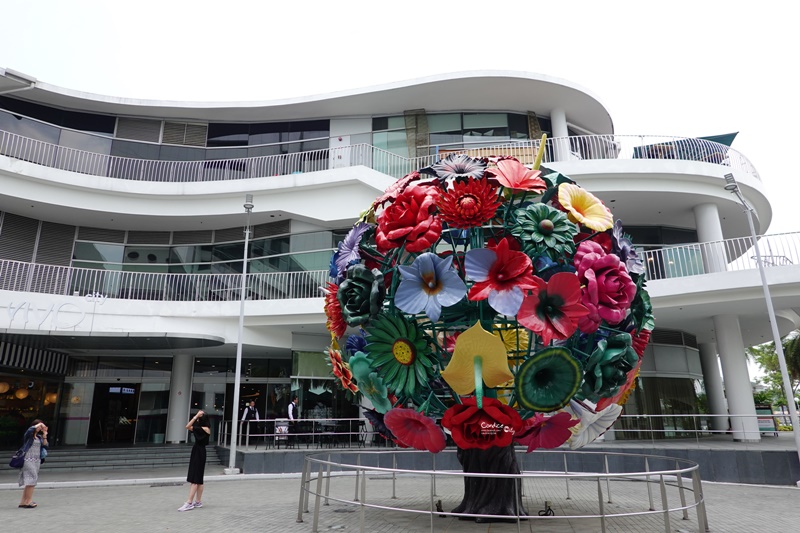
pixel 114 414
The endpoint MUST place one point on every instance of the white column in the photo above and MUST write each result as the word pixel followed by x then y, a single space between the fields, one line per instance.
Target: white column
pixel 558 122
pixel 713 385
pixel 737 378
pixel 709 229
pixel 180 395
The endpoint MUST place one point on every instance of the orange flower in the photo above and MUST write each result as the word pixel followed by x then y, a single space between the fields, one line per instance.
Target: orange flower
pixel 333 310
pixel 341 370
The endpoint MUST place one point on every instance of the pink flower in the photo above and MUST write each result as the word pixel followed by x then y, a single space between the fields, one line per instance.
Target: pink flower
pixel 607 289
pixel 512 174
pixel 546 431
pixel 415 430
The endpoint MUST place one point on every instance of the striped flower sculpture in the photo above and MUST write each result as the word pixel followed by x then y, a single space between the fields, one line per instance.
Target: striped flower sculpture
pixel 500 299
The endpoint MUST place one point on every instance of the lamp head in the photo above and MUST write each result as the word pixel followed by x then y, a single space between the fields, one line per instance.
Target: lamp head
pixel 730 183
pixel 248 202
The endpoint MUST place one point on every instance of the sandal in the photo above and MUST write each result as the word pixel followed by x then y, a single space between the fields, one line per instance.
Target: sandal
pixel 29 506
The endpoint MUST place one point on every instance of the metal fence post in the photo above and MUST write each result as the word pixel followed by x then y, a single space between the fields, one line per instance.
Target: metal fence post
pixel 664 503
pixel 303 480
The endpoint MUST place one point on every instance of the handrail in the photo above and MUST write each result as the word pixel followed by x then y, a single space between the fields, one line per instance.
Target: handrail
pixel 71 281
pixel 696 259
pixel 576 148
pixel 730 255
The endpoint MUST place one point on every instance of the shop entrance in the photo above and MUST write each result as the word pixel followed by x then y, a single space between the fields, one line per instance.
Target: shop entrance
pixel 114 411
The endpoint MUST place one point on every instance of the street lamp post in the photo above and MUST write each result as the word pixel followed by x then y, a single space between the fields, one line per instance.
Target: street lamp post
pixel 733 187
pixel 237 378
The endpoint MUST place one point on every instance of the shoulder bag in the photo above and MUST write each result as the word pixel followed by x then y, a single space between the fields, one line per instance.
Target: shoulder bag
pixel 17 460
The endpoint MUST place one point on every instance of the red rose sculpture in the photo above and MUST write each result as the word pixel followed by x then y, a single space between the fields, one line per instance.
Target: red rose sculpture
pixel 472 427
pixel 409 221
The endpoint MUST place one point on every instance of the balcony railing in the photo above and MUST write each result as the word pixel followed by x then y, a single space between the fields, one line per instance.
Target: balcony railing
pixel 663 263
pixel 721 256
pixel 584 147
pixel 51 279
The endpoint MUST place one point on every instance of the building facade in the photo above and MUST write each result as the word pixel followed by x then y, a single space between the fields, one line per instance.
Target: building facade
pixel 122 245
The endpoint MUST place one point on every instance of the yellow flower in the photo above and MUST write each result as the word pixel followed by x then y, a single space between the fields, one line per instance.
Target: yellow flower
pixel 583 207
pixel 477 342
pixel 515 340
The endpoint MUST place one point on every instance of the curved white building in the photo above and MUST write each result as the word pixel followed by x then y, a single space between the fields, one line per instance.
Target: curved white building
pixel 121 243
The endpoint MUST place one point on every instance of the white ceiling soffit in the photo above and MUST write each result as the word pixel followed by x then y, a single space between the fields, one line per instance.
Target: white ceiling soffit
pixel 484 90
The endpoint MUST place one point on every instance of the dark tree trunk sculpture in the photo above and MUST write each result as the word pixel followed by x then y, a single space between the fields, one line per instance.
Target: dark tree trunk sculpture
pixel 486 495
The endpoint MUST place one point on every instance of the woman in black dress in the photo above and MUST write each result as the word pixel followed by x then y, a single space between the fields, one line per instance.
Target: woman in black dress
pixel 201 429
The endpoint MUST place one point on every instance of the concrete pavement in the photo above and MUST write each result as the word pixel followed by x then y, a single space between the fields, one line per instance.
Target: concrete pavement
pixel 147 500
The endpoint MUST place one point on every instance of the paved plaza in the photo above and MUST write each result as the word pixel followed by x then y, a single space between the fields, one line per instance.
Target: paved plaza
pixel 147 500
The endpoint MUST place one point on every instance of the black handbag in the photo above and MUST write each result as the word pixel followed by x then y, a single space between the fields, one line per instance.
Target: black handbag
pixel 17 460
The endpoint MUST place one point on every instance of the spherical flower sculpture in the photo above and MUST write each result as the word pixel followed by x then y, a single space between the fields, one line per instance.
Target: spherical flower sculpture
pixel 500 299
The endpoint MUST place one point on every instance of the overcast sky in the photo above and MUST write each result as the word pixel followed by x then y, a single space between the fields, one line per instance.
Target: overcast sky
pixel 684 68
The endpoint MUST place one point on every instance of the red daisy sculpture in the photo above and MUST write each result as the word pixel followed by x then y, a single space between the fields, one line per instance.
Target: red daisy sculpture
pixel 415 430
pixel 468 204
pixel 341 371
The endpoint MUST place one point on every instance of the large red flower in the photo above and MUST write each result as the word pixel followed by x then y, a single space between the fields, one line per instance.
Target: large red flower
pixel 341 370
pixel 333 310
pixel 415 430
pixel 393 190
pixel 409 221
pixel 501 275
pixel 471 427
pixel 546 431
pixel 553 308
pixel 607 288
pixel 468 204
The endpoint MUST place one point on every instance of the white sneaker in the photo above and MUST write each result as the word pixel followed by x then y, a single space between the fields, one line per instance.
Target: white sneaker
pixel 198 504
pixel 186 507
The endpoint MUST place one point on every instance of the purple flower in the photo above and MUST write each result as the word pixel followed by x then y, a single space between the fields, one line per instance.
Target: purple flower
pixel 623 248
pixel 348 253
pixel 427 284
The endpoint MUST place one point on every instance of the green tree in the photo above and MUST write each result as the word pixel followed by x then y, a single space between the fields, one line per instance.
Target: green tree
pixel 766 357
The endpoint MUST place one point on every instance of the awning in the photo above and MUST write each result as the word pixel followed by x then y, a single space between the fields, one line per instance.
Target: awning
pixel 712 149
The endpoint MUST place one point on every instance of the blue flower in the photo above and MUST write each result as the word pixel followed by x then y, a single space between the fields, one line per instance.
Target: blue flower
pixel 356 343
pixel 427 284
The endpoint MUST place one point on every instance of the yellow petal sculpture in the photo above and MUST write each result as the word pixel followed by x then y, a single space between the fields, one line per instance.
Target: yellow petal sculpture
pixel 584 207
pixel 474 343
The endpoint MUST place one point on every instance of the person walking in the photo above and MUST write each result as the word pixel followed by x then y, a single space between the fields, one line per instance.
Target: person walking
pixel 200 427
pixel 33 443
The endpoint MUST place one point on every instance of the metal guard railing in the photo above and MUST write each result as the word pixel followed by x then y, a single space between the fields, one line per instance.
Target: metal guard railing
pixel 782 250
pixel 582 147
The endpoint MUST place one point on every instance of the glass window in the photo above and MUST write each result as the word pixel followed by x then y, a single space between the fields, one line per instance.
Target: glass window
pixel 388 123
pixel 92 251
pixel 181 153
pixel 157 367
pixel 228 134
pixel 140 255
pixel 517 126
pixel 310 365
pixel 208 366
pixel 312 241
pixel 151 422
pixel 270 246
pixel 75 413
pixel 392 141
pixel 450 122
